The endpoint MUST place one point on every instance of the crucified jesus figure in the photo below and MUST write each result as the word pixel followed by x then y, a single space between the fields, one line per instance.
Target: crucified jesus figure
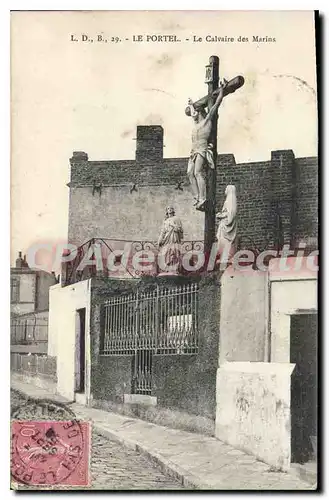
pixel 202 154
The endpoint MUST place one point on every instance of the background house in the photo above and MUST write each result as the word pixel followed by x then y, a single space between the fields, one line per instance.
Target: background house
pixel 170 350
pixel 29 297
pixel 29 288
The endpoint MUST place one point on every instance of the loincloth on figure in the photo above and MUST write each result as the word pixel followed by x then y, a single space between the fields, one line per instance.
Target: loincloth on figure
pixel 206 153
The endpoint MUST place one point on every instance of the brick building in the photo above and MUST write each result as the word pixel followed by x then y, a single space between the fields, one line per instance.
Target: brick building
pixel 108 354
pixel 126 199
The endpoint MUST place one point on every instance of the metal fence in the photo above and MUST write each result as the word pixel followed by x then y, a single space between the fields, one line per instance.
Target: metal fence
pixel 141 380
pixel 80 267
pixel 160 321
pixel 164 321
pixel 29 330
pixel 34 364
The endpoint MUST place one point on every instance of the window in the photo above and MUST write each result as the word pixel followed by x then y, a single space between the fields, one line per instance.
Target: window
pixel 14 289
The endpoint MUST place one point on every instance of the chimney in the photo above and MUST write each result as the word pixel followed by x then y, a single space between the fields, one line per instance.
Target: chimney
pixel 78 158
pixel 149 143
pixel 24 263
pixel 19 261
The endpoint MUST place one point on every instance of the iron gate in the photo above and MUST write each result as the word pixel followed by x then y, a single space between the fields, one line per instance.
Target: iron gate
pixel 160 321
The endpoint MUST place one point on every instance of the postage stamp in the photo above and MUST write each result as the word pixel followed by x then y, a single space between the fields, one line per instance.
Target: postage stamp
pixel 49 453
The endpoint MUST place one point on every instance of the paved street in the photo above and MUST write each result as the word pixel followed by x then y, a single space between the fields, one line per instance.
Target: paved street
pixel 199 461
pixel 115 467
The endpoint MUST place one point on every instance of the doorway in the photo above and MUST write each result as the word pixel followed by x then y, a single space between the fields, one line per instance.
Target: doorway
pixel 303 352
pixel 80 351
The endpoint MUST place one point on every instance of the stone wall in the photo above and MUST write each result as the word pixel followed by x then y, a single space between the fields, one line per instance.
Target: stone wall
pixel 188 383
pixel 117 213
pixel 307 205
pixel 110 375
pixel 184 384
pixel 253 182
pixel 137 192
pixel 111 379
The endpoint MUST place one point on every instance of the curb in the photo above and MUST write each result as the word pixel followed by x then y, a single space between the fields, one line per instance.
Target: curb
pixel 183 476
pixel 187 479
pixel 166 466
pixel 308 476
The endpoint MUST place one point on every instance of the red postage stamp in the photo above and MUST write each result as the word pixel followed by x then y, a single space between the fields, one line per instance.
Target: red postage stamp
pixel 50 453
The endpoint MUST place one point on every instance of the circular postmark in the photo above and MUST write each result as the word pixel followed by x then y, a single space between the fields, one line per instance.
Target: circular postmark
pixel 45 452
pixel 42 409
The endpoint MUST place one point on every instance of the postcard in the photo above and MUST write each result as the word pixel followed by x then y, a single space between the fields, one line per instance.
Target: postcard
pixel 164 253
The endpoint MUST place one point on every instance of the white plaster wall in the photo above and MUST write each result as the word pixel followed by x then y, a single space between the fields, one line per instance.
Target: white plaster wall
pixel 63 305
pixel 243 316
pixel 286 298
pixel 253 409
pixel 54 321
pixel 253 399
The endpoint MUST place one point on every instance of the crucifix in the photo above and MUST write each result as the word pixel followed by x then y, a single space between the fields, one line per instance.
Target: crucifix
pixel 202 162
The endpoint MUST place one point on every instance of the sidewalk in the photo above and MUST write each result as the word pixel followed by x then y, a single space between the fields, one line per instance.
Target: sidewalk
pixel 199 462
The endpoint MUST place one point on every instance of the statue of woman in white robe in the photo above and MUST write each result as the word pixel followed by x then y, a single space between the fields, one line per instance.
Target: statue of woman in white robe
pixel 227 228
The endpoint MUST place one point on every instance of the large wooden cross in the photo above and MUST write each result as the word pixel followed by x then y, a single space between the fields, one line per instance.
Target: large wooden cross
pixel 212 80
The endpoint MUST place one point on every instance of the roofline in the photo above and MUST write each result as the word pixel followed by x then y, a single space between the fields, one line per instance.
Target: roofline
pixel 182 158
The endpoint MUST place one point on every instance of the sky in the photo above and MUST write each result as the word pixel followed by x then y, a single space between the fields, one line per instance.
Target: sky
pixel 90 96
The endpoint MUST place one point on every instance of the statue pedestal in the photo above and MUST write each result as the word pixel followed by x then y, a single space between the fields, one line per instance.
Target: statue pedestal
pixel 168 274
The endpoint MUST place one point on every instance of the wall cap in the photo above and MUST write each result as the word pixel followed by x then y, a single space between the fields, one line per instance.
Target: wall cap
pixel 257 367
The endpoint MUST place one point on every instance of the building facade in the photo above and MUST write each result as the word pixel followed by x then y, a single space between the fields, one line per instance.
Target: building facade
pixel 126 199
pixel 29 294
pixel 29 288
pixel 266 395
pixel 184 350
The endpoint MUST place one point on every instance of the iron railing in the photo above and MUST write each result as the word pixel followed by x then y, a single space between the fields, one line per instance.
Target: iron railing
pixel 28 330
pixel 164 321
pixel 74 270
pixel 34 364
pixel 141 380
